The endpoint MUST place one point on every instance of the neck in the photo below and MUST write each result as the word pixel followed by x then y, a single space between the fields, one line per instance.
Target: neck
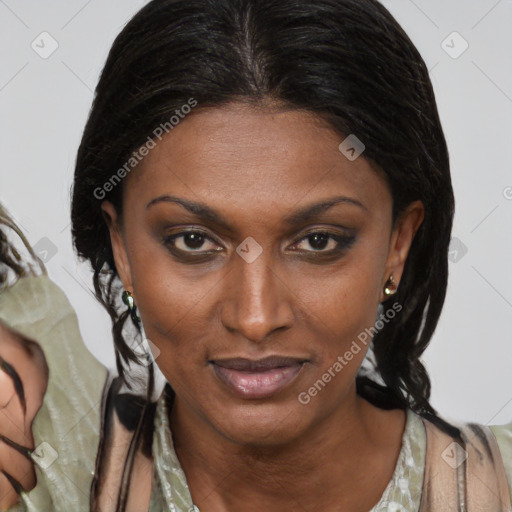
pixel 354 448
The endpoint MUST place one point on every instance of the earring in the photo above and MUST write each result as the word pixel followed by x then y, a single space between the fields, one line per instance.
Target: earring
pixel 128 300
pixel 390 287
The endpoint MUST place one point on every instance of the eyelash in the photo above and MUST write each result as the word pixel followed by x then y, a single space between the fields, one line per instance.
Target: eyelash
pixel 344 242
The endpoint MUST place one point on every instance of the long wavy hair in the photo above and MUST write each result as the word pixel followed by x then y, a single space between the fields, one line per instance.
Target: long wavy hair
pixel 348 61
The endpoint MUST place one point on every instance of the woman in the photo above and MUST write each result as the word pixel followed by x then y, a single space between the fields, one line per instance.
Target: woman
pixel 263 192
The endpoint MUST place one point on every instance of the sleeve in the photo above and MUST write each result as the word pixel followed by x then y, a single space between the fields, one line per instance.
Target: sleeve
pixel 503 434
pixel 66 428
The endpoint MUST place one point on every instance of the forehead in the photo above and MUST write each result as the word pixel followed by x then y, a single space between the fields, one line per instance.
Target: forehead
pixel 253 155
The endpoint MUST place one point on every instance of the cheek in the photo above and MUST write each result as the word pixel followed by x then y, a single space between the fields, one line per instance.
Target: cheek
pixel 172 322
pixel 349 319
pixel 345 308
pixel 174 312
pixel 347 300
pixel 175 307
pixel 172 315
pixel 166 293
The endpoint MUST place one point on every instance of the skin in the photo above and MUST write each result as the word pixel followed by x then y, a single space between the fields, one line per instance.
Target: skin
pixel 28 360
pixel 256 166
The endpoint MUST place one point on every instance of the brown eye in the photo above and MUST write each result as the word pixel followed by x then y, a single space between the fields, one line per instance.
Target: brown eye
pixel 320 241
pixel 324 242
pixel 190 242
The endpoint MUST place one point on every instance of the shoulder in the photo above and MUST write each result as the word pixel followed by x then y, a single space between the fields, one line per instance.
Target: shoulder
pixel 464 467
pixel 127 428
pixel 503 435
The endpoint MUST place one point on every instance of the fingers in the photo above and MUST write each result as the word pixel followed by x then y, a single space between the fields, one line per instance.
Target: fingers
pixel 19 390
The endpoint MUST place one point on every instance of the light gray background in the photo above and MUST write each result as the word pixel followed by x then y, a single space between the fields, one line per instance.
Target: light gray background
pixel 44 106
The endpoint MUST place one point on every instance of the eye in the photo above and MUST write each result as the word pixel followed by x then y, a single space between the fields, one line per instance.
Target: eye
pixel 191 242
pixel 324 242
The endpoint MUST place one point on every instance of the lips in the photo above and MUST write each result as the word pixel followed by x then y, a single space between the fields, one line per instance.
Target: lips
pixel 257 378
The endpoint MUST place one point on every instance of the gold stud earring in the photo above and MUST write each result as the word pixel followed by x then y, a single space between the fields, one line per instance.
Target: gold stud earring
pixel 390 287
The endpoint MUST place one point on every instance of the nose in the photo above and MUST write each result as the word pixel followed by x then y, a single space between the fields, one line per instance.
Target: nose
pixel 257 301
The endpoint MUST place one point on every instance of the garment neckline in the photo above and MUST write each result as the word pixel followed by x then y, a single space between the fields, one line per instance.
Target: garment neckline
pixel 402 493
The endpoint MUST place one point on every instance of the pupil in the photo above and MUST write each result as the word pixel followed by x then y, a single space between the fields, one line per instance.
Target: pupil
pixel 318 241
pixel 193 240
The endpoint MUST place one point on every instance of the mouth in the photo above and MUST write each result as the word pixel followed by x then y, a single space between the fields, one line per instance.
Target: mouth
pixel 259 378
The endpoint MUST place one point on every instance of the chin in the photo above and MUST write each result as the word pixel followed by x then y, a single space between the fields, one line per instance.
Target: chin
pixel 261 424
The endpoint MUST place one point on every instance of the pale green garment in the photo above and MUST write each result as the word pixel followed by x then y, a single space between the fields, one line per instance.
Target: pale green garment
pixel 69 419
pixel 503 434
pixel 402 494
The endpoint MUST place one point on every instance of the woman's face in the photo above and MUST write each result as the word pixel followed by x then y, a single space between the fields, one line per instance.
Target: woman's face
pixel 246 233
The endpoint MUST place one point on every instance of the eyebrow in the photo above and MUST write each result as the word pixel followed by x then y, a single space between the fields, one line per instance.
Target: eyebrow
pixel 299 216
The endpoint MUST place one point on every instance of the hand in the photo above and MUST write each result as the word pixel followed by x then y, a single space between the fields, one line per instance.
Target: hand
pixel 23 383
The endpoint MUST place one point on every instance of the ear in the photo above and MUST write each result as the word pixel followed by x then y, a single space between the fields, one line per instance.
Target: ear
pixel 402 237
pixel 118 244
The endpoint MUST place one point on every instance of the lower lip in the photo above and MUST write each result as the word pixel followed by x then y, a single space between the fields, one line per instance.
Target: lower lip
pixel 257 384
